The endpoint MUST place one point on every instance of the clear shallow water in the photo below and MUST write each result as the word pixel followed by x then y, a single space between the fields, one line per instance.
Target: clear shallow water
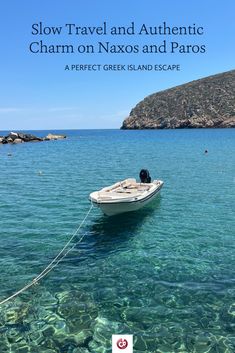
pixel 165 274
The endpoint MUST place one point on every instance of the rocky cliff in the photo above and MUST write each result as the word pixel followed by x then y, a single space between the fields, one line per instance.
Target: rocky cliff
pixel 205 103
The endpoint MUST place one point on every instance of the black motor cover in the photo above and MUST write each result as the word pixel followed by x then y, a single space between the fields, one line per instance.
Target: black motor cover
pixel 145 176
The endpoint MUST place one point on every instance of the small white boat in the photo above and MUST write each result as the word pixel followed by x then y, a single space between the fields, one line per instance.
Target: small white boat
pixel 125 196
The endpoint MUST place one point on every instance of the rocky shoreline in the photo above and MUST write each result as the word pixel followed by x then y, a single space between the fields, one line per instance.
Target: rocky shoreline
pixel 19 137
pixel 206 103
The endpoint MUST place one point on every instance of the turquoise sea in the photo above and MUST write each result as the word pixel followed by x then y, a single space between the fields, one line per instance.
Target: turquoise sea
pixel 165 274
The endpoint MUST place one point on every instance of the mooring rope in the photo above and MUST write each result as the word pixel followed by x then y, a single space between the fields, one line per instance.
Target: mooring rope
pixel 57 259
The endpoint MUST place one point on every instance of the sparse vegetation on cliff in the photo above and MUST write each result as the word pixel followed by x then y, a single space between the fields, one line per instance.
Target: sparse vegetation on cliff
pixel 205 103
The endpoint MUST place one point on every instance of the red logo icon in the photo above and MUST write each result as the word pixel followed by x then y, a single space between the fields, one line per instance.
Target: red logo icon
pixel 122 343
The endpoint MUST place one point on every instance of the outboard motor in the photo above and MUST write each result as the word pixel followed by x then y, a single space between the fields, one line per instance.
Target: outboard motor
pixel 145 176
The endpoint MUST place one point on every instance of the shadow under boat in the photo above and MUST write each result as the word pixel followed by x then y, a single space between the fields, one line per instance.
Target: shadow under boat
pixel 109 234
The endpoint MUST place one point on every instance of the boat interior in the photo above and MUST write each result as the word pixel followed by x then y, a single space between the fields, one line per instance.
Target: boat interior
pixel 126 187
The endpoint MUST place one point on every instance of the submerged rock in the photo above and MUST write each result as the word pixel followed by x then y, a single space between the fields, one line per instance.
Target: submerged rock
pixel 15 314
pixel 80 350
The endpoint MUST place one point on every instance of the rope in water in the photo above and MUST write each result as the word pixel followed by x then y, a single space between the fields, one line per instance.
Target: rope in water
pixel 59 257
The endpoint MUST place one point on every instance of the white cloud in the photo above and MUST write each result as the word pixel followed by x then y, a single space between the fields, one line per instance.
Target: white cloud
pixel 10 110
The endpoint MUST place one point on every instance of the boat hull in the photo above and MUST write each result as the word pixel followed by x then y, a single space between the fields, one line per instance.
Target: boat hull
pixel 114 208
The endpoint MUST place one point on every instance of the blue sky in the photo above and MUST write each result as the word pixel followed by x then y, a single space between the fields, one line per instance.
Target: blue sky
pixel 37 93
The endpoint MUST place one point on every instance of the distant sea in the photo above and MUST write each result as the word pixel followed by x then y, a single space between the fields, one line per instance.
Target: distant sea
pixel 165 274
